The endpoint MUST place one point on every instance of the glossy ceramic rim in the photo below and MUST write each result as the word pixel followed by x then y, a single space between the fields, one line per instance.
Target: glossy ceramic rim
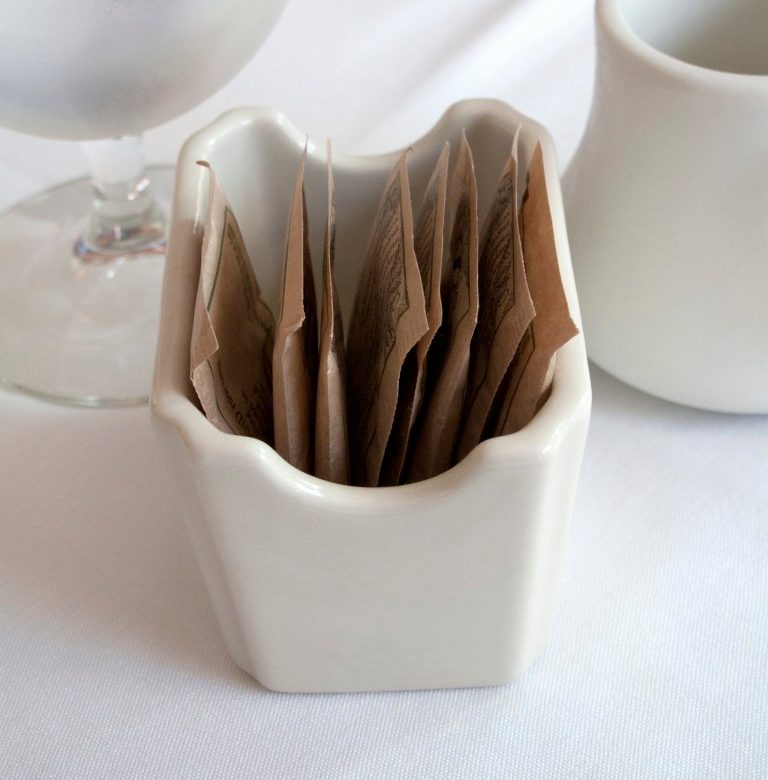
pixel 611 19
pixel 568 404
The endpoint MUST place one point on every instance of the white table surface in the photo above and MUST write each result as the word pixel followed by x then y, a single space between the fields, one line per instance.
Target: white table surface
pixel 111 664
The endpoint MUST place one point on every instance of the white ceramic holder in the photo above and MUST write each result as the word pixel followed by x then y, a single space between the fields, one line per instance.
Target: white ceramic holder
pixel 449 582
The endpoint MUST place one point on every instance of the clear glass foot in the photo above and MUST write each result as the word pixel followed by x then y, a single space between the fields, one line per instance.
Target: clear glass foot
pixel 80 296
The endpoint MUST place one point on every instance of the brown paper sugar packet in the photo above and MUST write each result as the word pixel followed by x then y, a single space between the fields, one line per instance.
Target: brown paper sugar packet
pixel 526 386
pixel 388 319
pixel 428 244
pixel 448 362
pixel 294 360
pixel 506 308
pixel 231 349
pixel 331 448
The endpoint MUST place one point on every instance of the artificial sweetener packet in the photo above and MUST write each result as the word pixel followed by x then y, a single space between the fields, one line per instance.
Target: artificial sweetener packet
pixel 506 308
pixel 526 386
pixel 448 362
pixel 331 449
pixel 388 319
pixel 232 331
pixel 294 360
pixel 428 244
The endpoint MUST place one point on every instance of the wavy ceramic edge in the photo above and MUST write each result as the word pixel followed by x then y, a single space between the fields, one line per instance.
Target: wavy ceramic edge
pixel 569 402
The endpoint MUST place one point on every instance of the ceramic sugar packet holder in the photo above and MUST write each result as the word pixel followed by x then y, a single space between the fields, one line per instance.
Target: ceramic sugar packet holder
pixel 320 587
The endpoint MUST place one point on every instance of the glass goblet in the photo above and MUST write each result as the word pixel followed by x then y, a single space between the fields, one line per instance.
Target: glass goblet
pixel 81 264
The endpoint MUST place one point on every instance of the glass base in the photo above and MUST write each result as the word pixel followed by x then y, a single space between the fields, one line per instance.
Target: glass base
pixel 75 328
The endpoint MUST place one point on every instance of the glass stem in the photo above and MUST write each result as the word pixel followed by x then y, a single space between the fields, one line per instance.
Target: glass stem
pixel 125 219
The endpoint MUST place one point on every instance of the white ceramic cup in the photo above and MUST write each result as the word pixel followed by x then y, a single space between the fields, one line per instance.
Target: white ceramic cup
pixel 667 201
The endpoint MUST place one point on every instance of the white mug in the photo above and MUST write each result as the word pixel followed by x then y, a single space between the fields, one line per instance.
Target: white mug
pixel 667 201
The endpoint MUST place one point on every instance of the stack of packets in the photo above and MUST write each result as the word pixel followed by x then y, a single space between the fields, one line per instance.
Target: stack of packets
pixel 452 338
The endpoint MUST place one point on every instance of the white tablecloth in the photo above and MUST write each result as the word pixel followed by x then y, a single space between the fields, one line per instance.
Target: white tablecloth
pixel 111 664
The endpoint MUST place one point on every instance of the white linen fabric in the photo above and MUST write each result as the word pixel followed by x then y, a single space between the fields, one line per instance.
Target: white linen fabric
pixel 111 663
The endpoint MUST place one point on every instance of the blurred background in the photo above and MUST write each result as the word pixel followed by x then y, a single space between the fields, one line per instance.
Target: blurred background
pixel 374 76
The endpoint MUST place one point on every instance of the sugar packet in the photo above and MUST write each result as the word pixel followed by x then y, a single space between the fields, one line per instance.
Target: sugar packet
pixel 294 360
pixel 448 363
pixel 331 448
pixel 429 227
pixel 388 319
pixel 506 308
pixel 232 331
pixel 526 386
